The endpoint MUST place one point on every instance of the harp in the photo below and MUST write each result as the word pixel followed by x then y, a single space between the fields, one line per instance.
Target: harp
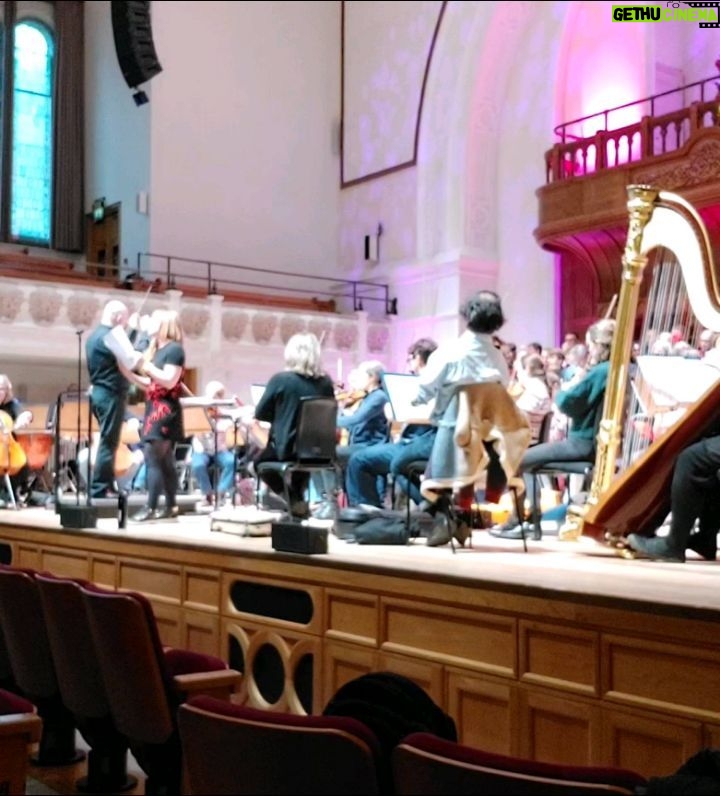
pixel 631 493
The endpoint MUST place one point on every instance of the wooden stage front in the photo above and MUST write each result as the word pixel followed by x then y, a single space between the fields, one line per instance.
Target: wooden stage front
pixel 566 653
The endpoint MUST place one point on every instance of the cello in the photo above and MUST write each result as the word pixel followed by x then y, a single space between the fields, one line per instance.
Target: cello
pixel 12 455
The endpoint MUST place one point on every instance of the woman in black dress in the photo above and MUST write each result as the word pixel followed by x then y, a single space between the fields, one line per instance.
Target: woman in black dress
pixel 163 423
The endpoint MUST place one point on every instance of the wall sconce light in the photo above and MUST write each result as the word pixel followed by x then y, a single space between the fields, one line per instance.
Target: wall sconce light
pixel 372 245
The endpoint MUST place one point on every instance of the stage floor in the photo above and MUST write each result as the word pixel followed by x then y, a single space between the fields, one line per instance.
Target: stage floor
pixel 584 567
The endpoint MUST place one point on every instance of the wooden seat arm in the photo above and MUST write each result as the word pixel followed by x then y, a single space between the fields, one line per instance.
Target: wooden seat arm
pixel 220 684
pixel 29 724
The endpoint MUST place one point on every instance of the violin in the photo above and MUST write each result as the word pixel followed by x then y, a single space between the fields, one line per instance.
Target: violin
pixel 12 454
pixel 348 398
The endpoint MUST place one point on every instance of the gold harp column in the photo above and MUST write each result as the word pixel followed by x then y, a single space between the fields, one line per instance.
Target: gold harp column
pixel 641 202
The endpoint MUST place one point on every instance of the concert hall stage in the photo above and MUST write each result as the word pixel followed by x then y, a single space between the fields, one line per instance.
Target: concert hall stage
pixel 567 652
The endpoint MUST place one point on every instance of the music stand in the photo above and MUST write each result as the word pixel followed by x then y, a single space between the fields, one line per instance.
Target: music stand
pixel 197 421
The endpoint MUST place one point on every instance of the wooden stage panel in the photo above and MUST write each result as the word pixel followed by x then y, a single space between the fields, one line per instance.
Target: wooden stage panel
pixel 473 638
pixel 566 653
pixel 560 657
pixel 644 673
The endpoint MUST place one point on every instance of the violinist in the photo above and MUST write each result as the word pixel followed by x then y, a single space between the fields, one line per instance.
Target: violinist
pixel 163 368
pixel 110 362
pixel 367 424
pixel 368 466
pixel 12 417
pixel 210 448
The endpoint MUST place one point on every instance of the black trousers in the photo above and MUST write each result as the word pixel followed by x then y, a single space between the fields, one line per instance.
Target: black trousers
pixel 109 409
pixel 694 492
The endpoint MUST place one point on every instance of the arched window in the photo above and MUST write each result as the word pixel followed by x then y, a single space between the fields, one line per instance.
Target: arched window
pixel 32 133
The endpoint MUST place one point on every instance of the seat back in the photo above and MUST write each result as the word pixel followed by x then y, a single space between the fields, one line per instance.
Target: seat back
pixel 539 426
pixel 131 662
pixel 316 430
pixel 25 634
pixel 233 749
pixel 72 647
pixel 426 764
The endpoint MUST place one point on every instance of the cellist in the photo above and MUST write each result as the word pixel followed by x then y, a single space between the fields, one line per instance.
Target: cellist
pixel 13 417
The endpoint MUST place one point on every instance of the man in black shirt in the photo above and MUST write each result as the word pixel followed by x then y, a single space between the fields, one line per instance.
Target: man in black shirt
pixel 110 361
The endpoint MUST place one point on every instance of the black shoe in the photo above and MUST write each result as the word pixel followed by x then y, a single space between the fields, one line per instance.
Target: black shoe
pixel 441 532
pixel 299 510
pixel 656 548
pixel 463 532
pixel 144 514
pixel 704 545
pixel 106 494
pixel 166 513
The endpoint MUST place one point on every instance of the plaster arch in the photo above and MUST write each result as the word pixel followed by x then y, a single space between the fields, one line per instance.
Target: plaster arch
pixel 473 133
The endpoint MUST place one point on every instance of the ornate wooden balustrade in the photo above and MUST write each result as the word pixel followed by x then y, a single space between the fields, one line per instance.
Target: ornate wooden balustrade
pixel 582 211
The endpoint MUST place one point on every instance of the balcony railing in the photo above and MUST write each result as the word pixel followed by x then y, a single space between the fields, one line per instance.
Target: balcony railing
pixel 576 156
pixel 205 277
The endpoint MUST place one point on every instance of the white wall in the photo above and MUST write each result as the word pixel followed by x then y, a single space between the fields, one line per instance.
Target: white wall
pixel 236 146
pixel 117 134
pixel 244 167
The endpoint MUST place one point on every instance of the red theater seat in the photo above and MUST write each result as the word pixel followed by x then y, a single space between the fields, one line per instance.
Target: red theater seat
pixel 232 749
pixel 426 764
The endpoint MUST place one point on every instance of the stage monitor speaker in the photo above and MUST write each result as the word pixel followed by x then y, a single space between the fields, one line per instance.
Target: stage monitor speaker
pixel 74 516
pixel 293 537
pixel 133 41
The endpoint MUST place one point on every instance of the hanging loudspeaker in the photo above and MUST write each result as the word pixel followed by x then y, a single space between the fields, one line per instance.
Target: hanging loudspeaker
pixel 133 41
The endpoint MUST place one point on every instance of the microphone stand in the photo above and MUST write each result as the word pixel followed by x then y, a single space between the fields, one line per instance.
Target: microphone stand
pixel 79 333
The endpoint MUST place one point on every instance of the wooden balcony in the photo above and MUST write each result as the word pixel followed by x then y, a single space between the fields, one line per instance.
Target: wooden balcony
pixel 582 207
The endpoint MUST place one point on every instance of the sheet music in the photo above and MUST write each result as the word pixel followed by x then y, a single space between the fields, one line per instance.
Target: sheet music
pixel 256 393
pixel 201 400
pixel 666 383
pixel 401 390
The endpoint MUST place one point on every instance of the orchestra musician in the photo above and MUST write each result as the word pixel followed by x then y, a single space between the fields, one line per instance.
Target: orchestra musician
pixel 693 497
pixel 369 464
pixel 471 359
pixel 582 401
pixel 13 418
pixel 302 377
pixel 366 424
pixel 163 368
pixel 111 360
pixel 210 448
pixel 129 458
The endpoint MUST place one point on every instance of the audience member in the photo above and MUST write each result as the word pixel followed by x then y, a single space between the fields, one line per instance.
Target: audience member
pixel 570 340
pixel 392 706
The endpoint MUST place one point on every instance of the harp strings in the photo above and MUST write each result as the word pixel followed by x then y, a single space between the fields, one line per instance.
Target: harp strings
pixel 669 328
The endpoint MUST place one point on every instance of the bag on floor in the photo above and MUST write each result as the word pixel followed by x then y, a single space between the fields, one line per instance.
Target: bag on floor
pixel 382 530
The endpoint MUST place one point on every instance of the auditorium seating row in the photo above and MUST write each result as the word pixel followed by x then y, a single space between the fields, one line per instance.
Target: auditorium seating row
pixel 233 749
pixel 90 659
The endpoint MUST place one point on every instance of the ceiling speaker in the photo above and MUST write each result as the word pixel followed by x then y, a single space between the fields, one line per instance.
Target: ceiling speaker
pixel 132 32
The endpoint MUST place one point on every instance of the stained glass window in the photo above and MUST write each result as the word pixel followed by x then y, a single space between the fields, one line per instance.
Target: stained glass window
pixel 32 133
